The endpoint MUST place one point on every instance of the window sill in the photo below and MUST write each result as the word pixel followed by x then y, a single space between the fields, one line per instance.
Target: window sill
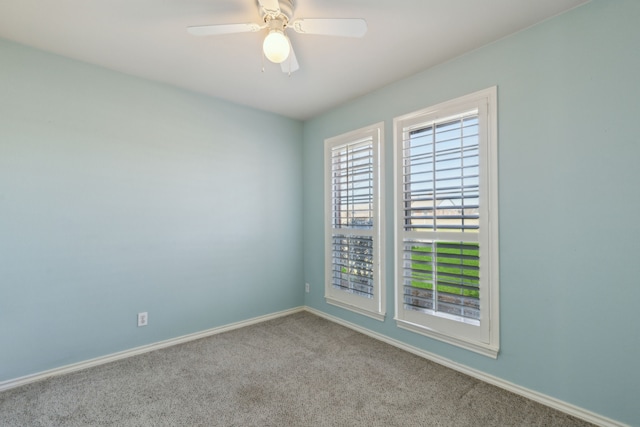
pixel 373 314
pixel 477 347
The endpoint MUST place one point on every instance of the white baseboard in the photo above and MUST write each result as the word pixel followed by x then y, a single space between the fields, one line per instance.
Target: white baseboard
pixel 552 402
pixel 17 382
pixel 560 405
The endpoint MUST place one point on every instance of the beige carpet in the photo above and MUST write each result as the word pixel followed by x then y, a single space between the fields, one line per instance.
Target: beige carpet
pixel 299 370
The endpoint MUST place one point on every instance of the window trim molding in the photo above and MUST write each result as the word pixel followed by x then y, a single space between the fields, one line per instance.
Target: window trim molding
pixel 355 308
pixel 490 225
pixel 377 309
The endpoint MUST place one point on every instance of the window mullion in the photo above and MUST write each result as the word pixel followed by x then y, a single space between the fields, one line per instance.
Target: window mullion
pixel 434 204
pixel 462 189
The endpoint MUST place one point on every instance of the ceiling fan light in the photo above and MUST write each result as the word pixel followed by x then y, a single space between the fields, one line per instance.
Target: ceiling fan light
pixel 276 46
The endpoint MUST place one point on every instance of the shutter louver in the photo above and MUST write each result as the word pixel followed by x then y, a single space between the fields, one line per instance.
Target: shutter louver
pixel 441 176
pixel 352 185
pixel 353 264
pixel 442 277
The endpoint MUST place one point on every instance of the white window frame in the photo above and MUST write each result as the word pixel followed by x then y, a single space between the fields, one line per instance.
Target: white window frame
pixel 483 338
pixel 373 307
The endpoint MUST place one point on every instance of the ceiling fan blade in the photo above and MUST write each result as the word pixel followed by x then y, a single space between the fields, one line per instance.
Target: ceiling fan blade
pixel 270 7
pixel 331 27
pixel 212 30
pixel 290 65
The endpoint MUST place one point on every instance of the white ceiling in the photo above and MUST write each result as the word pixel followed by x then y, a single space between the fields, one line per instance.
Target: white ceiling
pixel 148 38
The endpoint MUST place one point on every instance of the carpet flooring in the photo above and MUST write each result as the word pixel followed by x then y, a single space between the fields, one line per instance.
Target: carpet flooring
pixel 298 370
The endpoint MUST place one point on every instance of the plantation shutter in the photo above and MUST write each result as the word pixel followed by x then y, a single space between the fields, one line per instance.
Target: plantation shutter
pixel 353 236
pixel 441 220
pixel 352 217
pixel 447 245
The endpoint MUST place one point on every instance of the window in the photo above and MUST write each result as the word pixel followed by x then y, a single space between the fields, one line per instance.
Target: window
pixel 447 222
pixel 353 203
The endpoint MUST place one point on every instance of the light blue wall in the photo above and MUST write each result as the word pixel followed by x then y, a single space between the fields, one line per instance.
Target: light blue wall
pixel 569 108
pixel 119 195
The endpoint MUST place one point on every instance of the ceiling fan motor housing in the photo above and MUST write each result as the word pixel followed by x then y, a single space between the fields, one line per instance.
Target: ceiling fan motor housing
pixel 285 14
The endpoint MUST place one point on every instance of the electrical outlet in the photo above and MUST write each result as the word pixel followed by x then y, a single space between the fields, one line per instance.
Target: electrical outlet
pixel 143 319
pixel 306 287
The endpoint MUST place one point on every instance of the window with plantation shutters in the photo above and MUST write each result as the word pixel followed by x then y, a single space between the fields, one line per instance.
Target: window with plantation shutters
pixel 352 219
pixel 446 222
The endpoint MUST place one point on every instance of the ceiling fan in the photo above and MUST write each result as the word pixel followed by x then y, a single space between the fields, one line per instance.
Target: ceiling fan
pixel 277 18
